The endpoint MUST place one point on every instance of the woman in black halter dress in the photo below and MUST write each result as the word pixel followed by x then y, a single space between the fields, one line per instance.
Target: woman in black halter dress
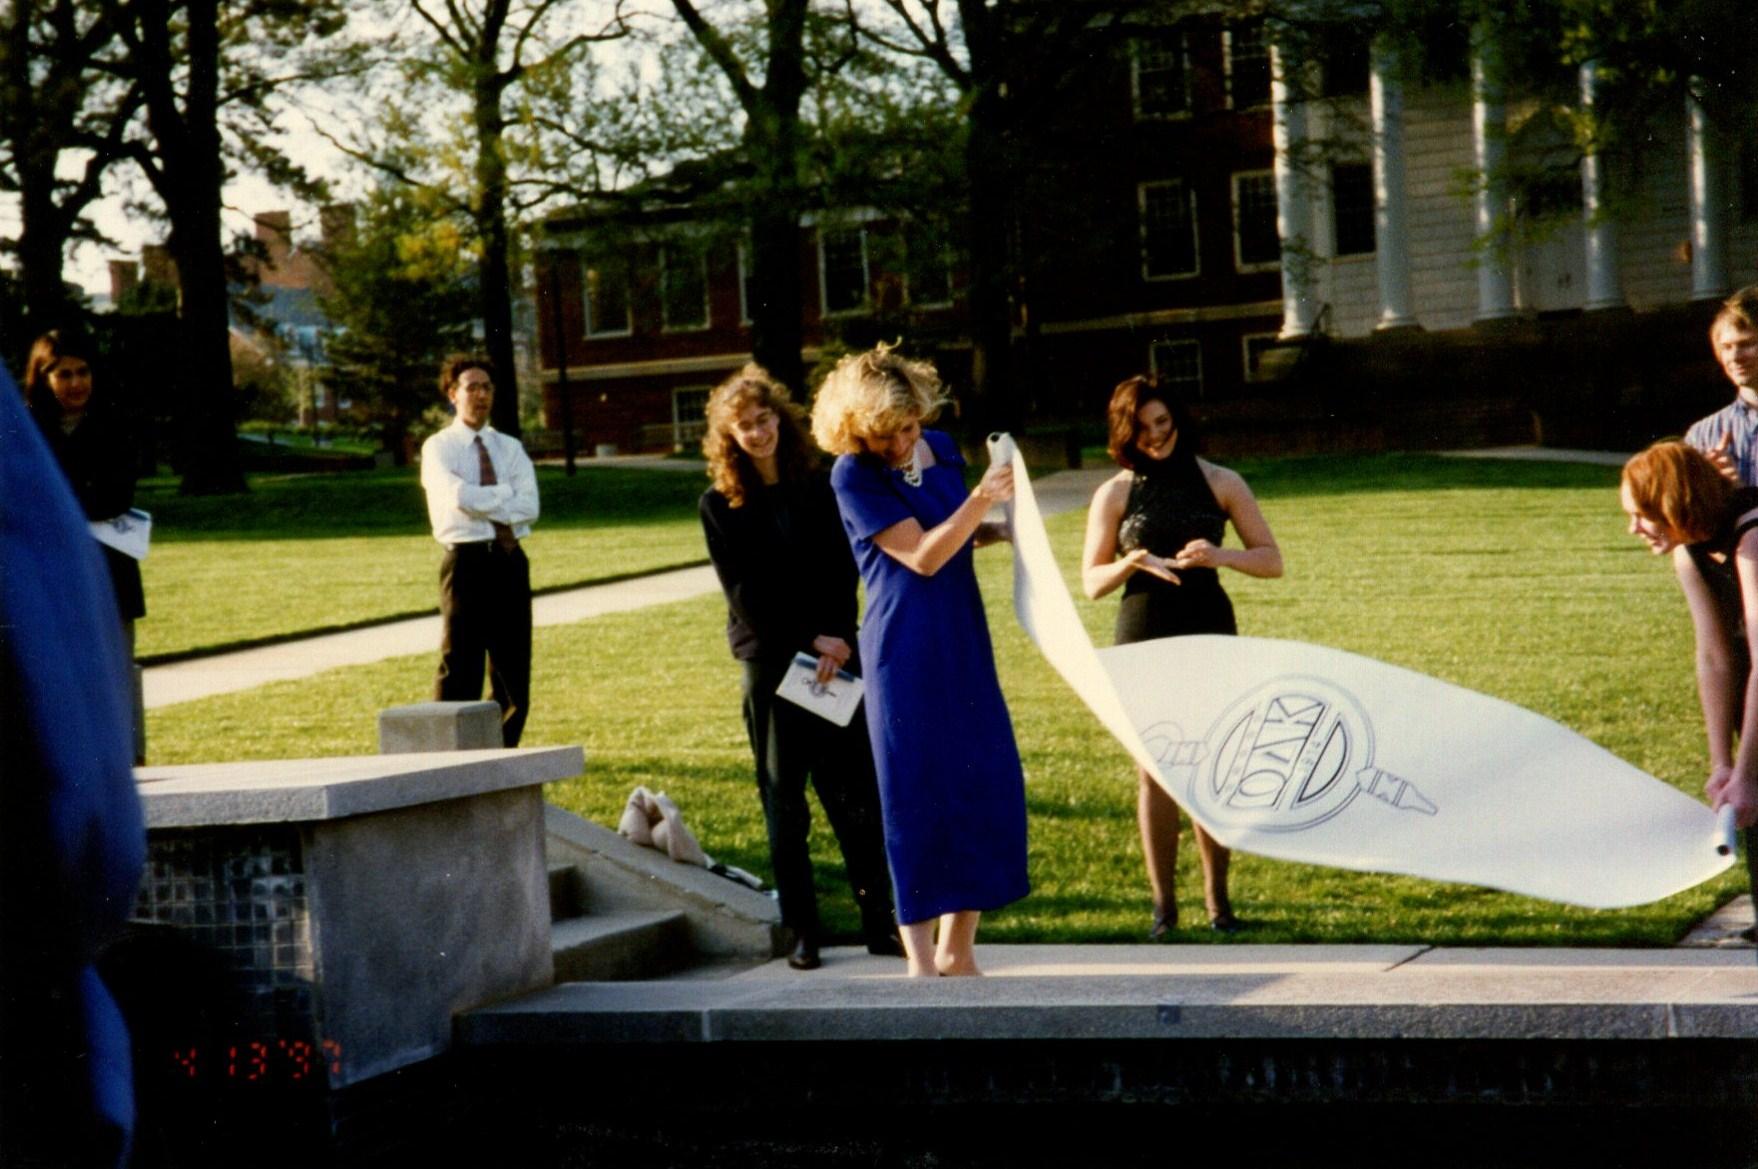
pixel 1682 507
pixel 1156 529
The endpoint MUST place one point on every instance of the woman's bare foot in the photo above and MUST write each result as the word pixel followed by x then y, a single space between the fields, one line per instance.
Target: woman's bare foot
pixel 957 967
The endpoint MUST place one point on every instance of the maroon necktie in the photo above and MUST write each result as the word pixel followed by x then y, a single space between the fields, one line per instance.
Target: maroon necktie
pixel 503 534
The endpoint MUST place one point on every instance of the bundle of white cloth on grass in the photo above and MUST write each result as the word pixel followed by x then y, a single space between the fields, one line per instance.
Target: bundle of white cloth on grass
pixel 652 819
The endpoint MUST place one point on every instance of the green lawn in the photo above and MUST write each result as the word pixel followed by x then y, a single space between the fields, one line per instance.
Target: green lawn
pixel 1512 578
pixel 303 552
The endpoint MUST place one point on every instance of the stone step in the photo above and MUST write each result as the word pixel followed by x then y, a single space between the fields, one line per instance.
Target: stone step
pixel 567 892
pixel 620 946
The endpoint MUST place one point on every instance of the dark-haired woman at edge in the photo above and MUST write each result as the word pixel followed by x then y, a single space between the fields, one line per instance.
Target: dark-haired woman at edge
pixel 1156 528
pixel 777 544
pixel 93 449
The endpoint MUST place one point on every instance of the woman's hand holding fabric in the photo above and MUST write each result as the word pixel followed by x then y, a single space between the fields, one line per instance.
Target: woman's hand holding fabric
pixel 1726 788
pixel 996 486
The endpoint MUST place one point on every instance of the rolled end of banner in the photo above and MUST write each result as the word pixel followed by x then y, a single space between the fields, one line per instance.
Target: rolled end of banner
pixel 1725 832
pixel 1001 447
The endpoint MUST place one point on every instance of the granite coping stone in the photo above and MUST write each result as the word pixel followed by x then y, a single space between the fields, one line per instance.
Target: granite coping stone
pixel 1197 992
pixel 277 791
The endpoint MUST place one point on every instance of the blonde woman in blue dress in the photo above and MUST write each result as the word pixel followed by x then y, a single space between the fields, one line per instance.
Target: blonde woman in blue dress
pixel 951 792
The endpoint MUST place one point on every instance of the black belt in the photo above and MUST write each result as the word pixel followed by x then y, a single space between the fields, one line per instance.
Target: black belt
pixel 472 545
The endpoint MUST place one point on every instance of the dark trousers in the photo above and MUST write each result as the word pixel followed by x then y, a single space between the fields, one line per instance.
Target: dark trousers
pixel 485 608
pixel 790 745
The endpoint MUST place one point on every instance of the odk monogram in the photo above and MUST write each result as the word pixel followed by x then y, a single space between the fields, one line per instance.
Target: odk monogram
pixel 1288 756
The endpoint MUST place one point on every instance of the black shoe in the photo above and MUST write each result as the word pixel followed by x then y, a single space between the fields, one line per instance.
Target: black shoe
pixel 1164 924
pixel 885 945
pixel 805 955
pixel 1749 934
pixel 1226 923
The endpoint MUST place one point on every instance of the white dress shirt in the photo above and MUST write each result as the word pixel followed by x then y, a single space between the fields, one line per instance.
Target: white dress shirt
pixel 463 511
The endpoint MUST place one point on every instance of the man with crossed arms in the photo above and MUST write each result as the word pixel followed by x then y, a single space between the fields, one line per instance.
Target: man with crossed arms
pixel 481 499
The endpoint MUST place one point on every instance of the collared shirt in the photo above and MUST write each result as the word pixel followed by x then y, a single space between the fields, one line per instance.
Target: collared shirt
pixel 1738 419
pixel 463 511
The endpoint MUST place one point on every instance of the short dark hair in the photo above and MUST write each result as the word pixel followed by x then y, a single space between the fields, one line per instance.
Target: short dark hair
pixel 456 365
pixel 1124 417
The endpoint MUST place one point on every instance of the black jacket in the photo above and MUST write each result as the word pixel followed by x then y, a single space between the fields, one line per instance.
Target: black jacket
pixel 785 566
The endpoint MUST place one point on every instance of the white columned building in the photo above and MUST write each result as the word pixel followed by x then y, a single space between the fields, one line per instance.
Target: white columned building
pixel 1708 205
pixel 1489 137
pixel 1391 221
pixel 1290 132
pixel 1605 289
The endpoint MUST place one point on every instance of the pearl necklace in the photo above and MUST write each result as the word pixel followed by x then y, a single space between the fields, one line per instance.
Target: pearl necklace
pixel 912 471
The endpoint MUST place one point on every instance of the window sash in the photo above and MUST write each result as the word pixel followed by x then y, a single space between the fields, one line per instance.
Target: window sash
pixel 1168 230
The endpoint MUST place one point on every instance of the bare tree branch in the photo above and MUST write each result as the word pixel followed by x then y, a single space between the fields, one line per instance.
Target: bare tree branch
pixel 720 51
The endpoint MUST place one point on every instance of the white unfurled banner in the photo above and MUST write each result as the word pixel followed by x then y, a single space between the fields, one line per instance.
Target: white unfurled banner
pixel 1311 754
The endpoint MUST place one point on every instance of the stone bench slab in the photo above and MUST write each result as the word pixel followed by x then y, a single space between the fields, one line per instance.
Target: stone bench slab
pixel 279 791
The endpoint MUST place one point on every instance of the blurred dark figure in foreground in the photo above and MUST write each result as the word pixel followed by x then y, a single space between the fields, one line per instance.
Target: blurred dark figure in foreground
pixel 72 844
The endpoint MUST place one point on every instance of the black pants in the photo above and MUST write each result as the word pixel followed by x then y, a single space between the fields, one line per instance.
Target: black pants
pixel 790 744
pixel 485 607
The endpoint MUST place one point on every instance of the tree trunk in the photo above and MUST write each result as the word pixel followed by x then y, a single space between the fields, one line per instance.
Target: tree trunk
pixel 496 287
pixel 772 143
pixel 994 402
pixel 42 245
pixel 777 334
pixel 191 150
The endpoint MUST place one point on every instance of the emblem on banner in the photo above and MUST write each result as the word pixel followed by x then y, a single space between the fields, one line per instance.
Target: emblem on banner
pixel 1288 756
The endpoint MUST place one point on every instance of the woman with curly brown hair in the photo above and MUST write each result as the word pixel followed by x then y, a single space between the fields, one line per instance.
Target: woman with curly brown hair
pixel 784 564
pixel 1155 528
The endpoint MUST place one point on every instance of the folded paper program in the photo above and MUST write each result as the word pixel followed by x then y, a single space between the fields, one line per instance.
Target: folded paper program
pixel 1313 754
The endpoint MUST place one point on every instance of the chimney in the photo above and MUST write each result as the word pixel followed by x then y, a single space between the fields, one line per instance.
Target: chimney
pixel 156 266
pixel 274 230
pixel 337 223
pixel 124 279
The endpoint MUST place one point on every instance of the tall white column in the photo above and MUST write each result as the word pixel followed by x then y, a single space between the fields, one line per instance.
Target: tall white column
pixel 1489 136
pixel 1708 207
pixel 1392 233
pixel 1293 198
pixel 1605 287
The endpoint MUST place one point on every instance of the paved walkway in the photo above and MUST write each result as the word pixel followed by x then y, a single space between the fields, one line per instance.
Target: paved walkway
pixel 225 673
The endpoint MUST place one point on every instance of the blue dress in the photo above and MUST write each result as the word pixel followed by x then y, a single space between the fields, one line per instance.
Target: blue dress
pixel 951 791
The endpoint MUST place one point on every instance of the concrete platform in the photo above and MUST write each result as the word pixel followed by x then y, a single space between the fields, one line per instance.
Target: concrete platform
pixel 1049 993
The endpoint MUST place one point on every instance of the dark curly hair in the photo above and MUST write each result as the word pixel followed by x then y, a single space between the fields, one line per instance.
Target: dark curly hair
pixel 729 468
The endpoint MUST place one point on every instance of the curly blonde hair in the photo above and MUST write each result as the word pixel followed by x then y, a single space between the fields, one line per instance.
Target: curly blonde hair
pixel 871 393
pixel 729 468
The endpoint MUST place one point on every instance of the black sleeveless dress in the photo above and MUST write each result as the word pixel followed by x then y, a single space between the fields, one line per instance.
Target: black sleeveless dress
pixel 1170 505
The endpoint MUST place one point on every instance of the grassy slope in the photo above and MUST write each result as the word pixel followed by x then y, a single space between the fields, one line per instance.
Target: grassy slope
pixel 1513 579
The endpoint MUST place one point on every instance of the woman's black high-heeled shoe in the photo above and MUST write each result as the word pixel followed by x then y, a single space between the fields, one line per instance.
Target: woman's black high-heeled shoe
pixel 1164 924
pixel 1225 923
